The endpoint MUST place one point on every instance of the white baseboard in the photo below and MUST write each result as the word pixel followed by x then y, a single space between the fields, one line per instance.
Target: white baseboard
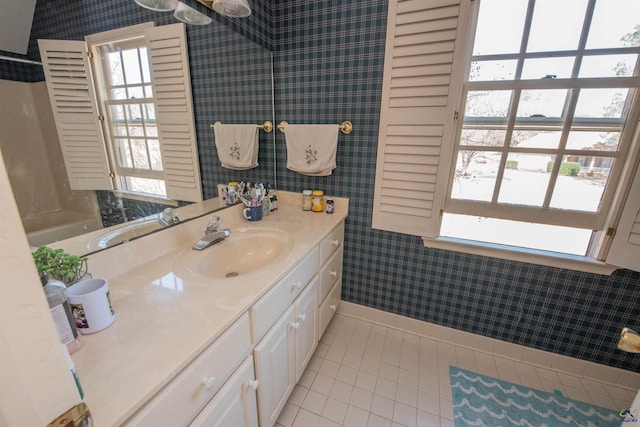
pixel 532 356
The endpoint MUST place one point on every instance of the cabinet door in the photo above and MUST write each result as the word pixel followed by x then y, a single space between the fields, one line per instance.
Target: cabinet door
pixel 275 368
pixel 306 326
pixel 235 404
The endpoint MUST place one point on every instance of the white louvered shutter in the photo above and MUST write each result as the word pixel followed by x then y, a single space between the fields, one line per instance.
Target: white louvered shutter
pixel 75 110
pixel 421 86
pixel 625 248
pixel 167 49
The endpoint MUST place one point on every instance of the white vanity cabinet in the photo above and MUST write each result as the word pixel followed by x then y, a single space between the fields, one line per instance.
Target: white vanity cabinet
pixel 235 404
pixel 331 250
pixel 183 398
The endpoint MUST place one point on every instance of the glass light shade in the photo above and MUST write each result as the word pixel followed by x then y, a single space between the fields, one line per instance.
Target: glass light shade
pixel 158 5
pixel 629 341
pixel 191 16
pixel 232 8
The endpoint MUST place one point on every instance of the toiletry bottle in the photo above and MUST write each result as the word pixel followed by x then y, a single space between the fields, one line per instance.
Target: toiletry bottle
pixel 330 205
pixel 306 200
pixel 274 202
pixel 56 293
pixel 317 201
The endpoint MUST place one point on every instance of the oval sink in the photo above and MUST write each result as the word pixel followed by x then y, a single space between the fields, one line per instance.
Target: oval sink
pixel 241 253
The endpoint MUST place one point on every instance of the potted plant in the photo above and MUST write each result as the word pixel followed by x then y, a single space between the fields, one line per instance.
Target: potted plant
pixel 60 265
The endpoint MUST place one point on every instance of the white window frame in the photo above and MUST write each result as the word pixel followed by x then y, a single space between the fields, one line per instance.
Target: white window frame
pixel 416 139
pixel 80 118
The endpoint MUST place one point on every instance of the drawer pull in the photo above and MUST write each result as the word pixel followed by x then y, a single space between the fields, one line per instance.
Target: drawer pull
pixel 208 382
pixel 296 287
pixel 254 384
pixel 302 317
pixel 334 273
pixel 295 325
pixel 335 242
pixel 333 307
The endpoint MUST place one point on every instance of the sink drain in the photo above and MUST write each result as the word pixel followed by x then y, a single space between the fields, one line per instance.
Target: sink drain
pixel 232 274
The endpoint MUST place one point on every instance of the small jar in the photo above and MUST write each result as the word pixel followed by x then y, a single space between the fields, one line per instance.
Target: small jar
pixel 306 200
pixel 317 201
pixel 330 205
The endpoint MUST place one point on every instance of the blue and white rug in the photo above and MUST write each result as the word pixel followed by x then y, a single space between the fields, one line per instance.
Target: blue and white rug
pixel 479 400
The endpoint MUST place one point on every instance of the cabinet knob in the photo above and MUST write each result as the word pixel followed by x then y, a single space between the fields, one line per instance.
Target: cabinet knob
pixel 335 242
pixel 296 287
pixel 254 384
pixel 334 273
pixel 295 325
pixel 302 317
pixel 208 382
pixel 333 307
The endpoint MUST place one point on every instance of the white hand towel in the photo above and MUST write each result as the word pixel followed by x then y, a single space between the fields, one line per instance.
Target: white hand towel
pixel 311 149
pixel 237 146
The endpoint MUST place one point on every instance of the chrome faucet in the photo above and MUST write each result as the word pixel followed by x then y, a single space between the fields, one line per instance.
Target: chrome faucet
pixel 168 217
pixel 212 234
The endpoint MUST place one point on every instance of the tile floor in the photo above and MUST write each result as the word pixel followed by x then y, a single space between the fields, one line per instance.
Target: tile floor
pixel 366 375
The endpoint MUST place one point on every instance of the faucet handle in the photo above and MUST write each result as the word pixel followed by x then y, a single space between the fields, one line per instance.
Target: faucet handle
pixel 214 223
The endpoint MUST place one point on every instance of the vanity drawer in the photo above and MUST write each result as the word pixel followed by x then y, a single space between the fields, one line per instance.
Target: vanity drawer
pixel 332 242
pixel 190 391
pixel 331 272
pixel 271 306
pixel 329 307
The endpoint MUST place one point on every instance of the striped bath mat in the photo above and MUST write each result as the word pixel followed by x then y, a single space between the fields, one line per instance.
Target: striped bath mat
pixel 479 400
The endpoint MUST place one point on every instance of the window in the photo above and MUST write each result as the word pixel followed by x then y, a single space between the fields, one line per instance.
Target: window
pixel 133 132
pixel 543 129
pixel 125 118
pixel 513 132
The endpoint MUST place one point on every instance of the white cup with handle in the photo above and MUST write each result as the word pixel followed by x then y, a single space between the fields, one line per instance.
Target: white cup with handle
pixel 91 305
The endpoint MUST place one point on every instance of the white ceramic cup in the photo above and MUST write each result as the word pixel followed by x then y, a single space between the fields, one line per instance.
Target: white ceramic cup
pixel 91 305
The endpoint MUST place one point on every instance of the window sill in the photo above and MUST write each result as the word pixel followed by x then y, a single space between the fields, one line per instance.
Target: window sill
pixel 146 198
pixel 532 256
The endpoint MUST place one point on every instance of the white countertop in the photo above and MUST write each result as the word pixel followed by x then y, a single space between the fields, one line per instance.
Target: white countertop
pixel 163 322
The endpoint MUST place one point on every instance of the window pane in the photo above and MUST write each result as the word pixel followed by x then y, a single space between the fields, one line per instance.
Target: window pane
pixel 117 113
pixel 542 103
pixel 135 113
pixel 131 66
pixel 140 158
pixel 488 103
pixel 492 70
pixel 148 91
pixel 566 17
pixel 525 179
pixel 145 185
pixel 115 68
pixel 581 182
pixel 124 154
pixel 135 92
pixel 154 152
pixel 601 103
pixel 535 139
pixel 613 21
pixel 500 25
pixel 119 93
pixel 120 130
pixel 608 66
pixel 144 59
pixel 541 68
pixel 475 175
pixel 136 131
pixel 515 233
pixel 150 113
pixel 151 130
pixel 482 137
pixel 600 141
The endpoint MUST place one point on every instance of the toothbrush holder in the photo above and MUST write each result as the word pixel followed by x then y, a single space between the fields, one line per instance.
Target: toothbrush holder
pixel 252 213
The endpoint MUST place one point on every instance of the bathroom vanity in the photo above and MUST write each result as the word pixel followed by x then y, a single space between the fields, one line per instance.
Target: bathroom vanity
pixel 213 337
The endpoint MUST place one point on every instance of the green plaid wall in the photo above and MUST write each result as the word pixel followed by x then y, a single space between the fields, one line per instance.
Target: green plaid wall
pixel 328 65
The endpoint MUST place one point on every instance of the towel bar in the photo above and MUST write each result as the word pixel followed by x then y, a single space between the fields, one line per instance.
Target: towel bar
pixel 346 127
pixel 267 126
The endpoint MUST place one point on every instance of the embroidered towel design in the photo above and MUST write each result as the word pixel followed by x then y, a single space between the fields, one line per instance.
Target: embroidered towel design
pixel 237 146
pixel 311 149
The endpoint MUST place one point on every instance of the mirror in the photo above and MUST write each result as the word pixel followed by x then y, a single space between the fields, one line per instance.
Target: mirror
pixel 231 77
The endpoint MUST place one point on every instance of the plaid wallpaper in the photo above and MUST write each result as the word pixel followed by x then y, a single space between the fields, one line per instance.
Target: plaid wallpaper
pixel 328 65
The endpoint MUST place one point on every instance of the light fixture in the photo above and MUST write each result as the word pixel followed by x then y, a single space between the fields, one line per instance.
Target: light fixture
pixel 232 8
pixel 191 16
pixel 629 341
pixel 158 5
